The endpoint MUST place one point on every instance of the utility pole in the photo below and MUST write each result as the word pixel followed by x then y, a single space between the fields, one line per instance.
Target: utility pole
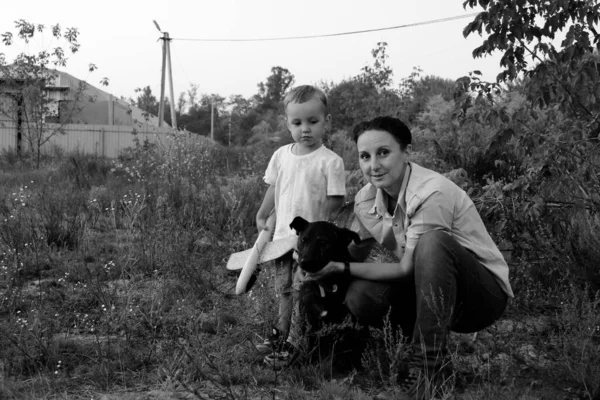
pixel 166 53
pixel 173 115
pixel 161 107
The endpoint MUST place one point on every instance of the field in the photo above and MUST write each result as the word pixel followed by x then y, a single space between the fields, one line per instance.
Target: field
pixel 113 286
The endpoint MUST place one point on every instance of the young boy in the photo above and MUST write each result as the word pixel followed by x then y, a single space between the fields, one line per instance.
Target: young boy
pixel 305 179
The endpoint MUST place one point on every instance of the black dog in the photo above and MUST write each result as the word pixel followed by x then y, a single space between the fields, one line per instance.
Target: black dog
pixel 321 242
pixel 322 302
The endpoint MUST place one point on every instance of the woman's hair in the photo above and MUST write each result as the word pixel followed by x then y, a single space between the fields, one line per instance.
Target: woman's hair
pixel 304 93
pixel 391 125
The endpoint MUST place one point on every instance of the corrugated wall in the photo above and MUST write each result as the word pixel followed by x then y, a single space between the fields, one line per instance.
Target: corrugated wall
pixel 8 136
pixel 103 140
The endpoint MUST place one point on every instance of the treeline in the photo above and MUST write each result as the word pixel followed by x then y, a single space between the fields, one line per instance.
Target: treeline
pixel 243 121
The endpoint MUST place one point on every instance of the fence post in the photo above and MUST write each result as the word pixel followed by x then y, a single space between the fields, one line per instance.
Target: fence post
pixel 103 141
pixel 111 110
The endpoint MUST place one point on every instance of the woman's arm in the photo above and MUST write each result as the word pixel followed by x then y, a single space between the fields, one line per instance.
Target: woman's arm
pixel 371 271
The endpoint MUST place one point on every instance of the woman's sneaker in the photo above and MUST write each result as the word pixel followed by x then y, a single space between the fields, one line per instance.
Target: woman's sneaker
pixel 270 343
pixel 285 356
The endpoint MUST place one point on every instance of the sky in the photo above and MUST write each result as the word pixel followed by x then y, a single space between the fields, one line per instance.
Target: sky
pixel 120 38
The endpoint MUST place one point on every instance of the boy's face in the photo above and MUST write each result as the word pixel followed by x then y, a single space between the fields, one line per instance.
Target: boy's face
pixel 307 123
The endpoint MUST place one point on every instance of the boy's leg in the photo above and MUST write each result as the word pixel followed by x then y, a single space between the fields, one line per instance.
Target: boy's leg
pixel 287 351
pixel 295 331
pixel 283 290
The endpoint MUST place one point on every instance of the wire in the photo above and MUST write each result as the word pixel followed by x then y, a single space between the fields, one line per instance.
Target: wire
pixel 181 66
pixel 433 21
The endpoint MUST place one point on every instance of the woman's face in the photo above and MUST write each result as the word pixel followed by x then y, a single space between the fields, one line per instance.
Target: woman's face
pixel 382 161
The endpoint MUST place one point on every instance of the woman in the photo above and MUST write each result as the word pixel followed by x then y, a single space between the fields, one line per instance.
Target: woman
pixel 451 275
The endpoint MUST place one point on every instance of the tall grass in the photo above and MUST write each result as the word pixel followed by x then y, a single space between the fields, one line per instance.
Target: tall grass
pixel 112 277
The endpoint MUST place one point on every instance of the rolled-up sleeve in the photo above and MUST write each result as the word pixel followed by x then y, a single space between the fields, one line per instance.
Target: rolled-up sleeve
pixel 336 178
pixel 433 212
pixel 271 171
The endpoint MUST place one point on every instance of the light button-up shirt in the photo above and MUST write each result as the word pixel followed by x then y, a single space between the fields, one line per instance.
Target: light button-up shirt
pixel 427 201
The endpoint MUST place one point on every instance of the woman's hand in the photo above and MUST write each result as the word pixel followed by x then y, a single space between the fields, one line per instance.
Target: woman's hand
pixel 334 267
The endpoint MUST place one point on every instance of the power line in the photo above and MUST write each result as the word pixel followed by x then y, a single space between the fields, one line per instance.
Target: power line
pixel 433 21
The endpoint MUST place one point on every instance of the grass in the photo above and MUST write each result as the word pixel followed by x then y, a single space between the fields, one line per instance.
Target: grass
pixel 113 286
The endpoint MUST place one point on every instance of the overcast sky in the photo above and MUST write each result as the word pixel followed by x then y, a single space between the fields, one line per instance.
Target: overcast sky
pixel 121 39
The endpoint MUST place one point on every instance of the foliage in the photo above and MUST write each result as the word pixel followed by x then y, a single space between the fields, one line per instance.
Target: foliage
pixel 27 85
pixel 257 119
pixel 541 162
pixel 147 101
pixel 513 26
pixel 379 75
pixel 416 90
pixel 576 339
pixel 270 94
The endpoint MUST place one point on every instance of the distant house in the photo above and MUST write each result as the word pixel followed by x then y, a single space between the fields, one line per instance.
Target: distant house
pixel 75 102
pixel 75 115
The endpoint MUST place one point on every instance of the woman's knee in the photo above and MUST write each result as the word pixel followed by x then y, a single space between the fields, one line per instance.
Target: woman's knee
pixel 368 301
pixel 434 260
pixel 431 243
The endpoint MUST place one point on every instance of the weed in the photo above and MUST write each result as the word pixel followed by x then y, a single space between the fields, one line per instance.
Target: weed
pixel 577 338
pixel 112 276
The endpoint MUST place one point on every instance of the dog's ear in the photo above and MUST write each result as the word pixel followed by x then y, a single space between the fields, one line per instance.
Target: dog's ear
pixel 349 236
pixel 299 224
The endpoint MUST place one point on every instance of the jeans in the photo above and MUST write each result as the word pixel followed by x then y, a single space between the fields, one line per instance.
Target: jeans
pixel 449 291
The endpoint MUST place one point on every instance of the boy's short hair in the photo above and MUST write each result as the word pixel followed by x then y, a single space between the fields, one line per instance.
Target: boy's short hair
pixel 304 93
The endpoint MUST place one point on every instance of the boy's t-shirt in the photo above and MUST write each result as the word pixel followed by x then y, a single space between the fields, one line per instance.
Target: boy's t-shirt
pixel 302 184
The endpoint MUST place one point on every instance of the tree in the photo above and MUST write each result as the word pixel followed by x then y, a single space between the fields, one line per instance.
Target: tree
pixel 565 78
pixel 27 82
pixel 181 102
pixel 365 95
pixel 243 117
pixel 379 74
pixel 215 104
pixel 512 28
pixel 415 91
pixel 556 129
pixel 523 30
pixel 147 101
pixel 193 95
pixel 270 93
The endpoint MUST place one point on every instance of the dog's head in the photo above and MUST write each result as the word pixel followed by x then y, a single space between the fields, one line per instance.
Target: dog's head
pixel 321 242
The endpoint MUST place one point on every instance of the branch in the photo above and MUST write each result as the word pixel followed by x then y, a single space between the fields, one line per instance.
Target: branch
pixel 560 81
pixel 557 145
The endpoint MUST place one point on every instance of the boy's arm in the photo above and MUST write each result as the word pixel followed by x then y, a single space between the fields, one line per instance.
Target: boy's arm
pixel 336 183
pixel 268 204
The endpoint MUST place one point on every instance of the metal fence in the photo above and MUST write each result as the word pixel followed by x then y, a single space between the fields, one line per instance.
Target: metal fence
pixel 102 140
